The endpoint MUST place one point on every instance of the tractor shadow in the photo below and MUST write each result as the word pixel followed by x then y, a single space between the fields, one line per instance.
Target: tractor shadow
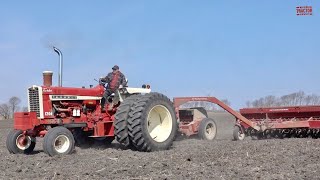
pixel 181 137
pixel 101 146
pixel 35 152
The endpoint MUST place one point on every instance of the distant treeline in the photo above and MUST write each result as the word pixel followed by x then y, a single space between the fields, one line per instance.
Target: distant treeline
pixel 8 109
pixel 294 99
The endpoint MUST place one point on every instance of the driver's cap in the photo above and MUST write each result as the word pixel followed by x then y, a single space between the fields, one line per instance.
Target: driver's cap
pixel 115 67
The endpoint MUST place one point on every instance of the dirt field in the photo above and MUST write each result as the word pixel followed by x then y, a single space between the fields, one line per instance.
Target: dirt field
pixel 188 159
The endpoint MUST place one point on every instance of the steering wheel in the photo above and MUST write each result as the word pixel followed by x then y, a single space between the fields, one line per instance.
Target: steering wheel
pixel 102 83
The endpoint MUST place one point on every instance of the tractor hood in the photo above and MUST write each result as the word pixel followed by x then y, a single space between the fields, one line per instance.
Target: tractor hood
pixel 71 91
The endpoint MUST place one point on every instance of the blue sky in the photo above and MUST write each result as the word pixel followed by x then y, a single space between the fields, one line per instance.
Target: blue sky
pixel 237 49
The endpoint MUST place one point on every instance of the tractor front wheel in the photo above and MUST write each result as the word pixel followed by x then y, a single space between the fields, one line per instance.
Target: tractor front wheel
pixel 18 143
pixel 58 141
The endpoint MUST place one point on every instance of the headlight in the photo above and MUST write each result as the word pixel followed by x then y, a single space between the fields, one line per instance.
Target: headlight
pixel 123 91
pixel 146 86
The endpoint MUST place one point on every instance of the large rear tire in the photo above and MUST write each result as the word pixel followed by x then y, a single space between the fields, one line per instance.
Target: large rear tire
pixel 152 123
pixel 207 129
pixel 58 141
pixel 121 121
pixel 17 143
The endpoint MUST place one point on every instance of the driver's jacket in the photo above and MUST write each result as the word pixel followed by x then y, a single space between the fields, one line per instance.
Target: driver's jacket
pixel 114 80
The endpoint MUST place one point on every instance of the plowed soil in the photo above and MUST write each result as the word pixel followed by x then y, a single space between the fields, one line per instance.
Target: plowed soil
pixel 187 159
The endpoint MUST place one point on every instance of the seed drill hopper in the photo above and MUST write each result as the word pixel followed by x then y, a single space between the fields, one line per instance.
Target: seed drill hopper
pixel 279 122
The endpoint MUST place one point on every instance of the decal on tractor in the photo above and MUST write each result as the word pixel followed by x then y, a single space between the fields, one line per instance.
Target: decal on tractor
pixel 48 113
pixel 47 90
pixel 64 97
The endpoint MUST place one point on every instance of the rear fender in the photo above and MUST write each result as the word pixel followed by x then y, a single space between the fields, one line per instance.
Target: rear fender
pixel 123 93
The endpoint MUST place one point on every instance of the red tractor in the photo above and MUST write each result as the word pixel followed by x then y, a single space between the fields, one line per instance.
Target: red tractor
pixel 64 116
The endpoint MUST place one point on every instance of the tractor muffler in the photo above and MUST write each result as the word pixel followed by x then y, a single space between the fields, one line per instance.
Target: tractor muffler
pixel 60 64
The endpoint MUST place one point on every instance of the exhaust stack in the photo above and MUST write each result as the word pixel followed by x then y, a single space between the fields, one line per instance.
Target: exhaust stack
pixel 47 78
pixel 60 64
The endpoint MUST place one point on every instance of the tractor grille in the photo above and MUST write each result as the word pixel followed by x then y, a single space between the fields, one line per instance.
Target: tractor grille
pixel 34 105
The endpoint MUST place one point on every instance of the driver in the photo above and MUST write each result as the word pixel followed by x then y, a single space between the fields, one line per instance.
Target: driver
pixel 115 79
